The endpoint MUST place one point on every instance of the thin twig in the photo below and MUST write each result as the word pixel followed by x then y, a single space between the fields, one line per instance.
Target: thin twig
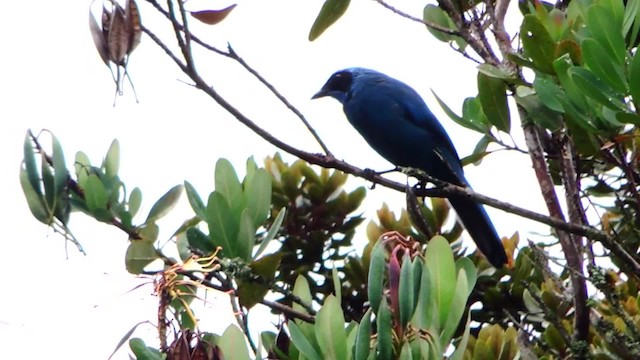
pixel 284 309
pixel 430 24
pixel 268 85
pixel 232 54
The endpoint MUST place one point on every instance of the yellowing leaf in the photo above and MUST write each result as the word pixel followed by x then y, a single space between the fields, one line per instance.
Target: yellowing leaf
pixel 134 26
pixel 212 17
pixel 98 39
pixel 118 40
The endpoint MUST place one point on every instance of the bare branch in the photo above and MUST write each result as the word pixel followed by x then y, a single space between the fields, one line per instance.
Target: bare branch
pixel 432 25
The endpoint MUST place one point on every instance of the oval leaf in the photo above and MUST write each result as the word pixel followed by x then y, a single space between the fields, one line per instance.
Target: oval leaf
pixel 330 331
pixel 331 11
pixel 233 345
pixel 212 17
pixel 167 202
pixel 603 65
pixel 439 261
pixel 537 43
pixel 139 254
pixel 595 88
pixel 634 79
pixel 301 342
pixel 493 97
pixel 363 339
pixel 34 200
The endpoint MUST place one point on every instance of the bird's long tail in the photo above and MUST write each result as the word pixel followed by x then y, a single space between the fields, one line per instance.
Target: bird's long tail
pixel 477 222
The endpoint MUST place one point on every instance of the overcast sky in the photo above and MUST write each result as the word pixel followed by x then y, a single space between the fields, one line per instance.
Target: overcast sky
pixel 53 78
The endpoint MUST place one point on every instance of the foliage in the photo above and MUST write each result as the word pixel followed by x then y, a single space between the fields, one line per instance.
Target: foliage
pixel 285 231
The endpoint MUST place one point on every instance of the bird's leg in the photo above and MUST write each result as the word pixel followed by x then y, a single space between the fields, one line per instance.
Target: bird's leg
pixel 369 174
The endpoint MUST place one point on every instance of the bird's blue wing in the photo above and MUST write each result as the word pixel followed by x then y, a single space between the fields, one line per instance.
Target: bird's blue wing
pixel 397 123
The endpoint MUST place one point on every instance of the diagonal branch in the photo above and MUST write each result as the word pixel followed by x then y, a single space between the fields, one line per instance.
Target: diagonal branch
pixel 429 24
pixel 231 54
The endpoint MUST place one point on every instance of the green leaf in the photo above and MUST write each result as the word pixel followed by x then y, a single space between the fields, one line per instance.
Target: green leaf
pixel 628 118
pixel 95 194
pixel 143 352
pixel 596 89
pixel 537 43
pixel 48 183
pixel 273 231
pixel 330 331
pixel 301 342
pixel 198 240
pixel 182 245
pixel 167 202
pixel 493 97
pixel 257 194
pixel 465 264
pixel 426 314
pixel 233 345
pixel 30 165
pixel 139 254
pixel 633 11
pixel 475 126
pixel 252 292
pixel 549 93
pixel 456 307
pixel 439 261
pixel 472 112
pixel 363 339
pixel 405 352
pixel 634 78
pixel 494 71
pixel 149 232
pixel 34 199
pixel 135 199
pixel 539 113
pixel 337 284
pixel 416 265
pixel 302 291
pixel 433 14
pixel 406 298
pixel 458 354
pixel 479 152
pixel 246 238
pixel 331 11
pixel 126 337
pixel 575 94
pixel 268 339
pixel 222 226
pixel 59 167
pixel 383 322
pixel 226 182
pixel 630 12
pixel 194 200
pixel 82 166
pixel 607 30
pixel 603 65
pixel 111 162
pixel 616 8
pixel 377 269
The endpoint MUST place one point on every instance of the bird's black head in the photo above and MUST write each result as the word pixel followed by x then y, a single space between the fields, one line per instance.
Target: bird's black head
pixel 337 86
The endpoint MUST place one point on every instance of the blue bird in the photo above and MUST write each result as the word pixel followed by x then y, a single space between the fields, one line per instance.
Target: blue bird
pixel 397 123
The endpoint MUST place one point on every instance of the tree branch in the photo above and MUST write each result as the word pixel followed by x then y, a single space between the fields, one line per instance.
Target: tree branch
pixel 571 251
pixel 284 309
pixel 430 24
pixel 571 180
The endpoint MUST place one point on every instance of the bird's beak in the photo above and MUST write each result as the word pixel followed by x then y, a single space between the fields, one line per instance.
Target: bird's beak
pixel 319 94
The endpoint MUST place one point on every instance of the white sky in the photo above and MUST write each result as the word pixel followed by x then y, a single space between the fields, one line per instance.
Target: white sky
pixel 53 78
